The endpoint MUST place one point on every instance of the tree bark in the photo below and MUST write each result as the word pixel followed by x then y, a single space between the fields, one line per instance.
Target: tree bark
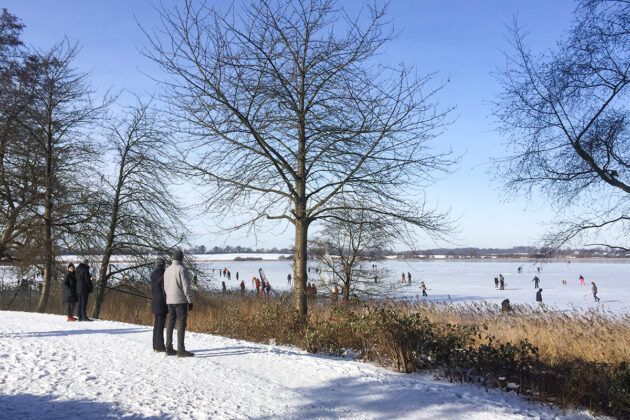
pixel 48 237
pixel 301 261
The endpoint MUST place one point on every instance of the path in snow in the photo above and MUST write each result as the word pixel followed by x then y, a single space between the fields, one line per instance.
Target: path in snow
pixel 50 368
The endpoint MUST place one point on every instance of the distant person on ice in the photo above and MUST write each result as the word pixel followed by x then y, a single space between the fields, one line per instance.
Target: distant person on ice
pixel 501 282
pixel 536 281
pixel 424 288
pixel 289 278
pixel 539 296
pixel 505 306
pixel 594 289
pixel 179 300
pixel 70 292
pixel 409 277
pixel 581 280
pixel 84 288
pixel 242 287
pixel 496 282
pixel 158 305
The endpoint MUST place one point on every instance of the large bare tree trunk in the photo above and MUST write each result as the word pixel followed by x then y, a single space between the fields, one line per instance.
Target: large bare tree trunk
pixel 48 237
pixel 301 261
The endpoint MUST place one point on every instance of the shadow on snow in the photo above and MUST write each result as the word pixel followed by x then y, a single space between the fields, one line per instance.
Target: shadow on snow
pixel 47 407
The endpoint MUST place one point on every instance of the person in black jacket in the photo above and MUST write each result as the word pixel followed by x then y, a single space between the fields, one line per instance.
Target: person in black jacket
pixel 84 288
pixel 539 296
pixel 70 291
pixel 158 305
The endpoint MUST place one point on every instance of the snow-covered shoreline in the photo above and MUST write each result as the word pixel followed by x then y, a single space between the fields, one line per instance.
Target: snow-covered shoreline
pixel 52 369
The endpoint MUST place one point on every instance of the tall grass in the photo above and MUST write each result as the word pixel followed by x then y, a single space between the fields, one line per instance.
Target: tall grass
pixel 570 358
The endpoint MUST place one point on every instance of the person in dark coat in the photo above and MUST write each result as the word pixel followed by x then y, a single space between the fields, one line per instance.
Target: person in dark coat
pixel 539 296
pixel 84 288
pixel 536 281
pixel 158 305
pixel 70 291
pixel 505 306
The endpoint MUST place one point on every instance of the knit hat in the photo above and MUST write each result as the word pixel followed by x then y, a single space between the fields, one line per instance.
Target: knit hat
pixel 86 261
pixel 178 255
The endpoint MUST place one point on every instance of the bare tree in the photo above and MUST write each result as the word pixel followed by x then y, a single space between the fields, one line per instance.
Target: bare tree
pixel 59 122
pixel 349 243
pixel 18 179
pixel 285 114
pixel 138 214
pixel 566 115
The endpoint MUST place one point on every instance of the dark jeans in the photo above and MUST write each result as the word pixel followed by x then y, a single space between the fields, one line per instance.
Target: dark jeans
pixel 82 307
pixel 177 312
pixel 595 296
pixel 71 306
pixel 158 332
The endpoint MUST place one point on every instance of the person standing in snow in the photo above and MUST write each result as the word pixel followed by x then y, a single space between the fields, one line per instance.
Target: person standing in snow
pixel 501 282
pixel 536 281
pixel 158 305
pixel 581 280
pixel 179 300
pixel 242 287
pixel 496 282
pixel 223 287
pixel 403 278
pixel 409 277
pixel 539 296
pixel 70 291
pixel 594 289
pixel 84 288
pixel 289 278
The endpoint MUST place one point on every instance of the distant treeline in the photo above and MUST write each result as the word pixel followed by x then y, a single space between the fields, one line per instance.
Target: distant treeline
pixel 470 252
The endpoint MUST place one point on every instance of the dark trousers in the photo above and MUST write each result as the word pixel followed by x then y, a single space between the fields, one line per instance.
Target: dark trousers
pixel 177 312
pixel 71 306
pixel 158 332
pixel 81 311
pixel 595 296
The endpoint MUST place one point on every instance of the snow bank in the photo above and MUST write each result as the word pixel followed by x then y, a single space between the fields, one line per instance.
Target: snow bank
pixel 54 369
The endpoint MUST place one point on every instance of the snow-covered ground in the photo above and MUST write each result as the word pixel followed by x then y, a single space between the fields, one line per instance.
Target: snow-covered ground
pixel 52 369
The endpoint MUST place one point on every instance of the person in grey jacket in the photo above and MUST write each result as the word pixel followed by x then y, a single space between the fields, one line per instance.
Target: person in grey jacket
pixel 179 300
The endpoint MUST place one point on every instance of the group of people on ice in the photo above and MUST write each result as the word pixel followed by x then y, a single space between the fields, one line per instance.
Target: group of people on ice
pixel 499 283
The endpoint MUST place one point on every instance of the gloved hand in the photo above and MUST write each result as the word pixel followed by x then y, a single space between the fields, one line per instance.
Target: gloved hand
pixel 190 306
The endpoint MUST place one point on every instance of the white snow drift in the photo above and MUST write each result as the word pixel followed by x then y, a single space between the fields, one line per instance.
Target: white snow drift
pixel 50 369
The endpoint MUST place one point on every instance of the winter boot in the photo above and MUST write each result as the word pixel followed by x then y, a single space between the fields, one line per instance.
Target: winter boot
pixel 71 318
pixel 162 350
pixel 170 351
pixel 185 353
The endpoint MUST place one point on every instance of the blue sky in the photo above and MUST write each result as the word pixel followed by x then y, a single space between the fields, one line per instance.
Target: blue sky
pixel 461 40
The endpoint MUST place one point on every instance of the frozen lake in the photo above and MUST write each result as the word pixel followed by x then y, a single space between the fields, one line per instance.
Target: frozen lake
pixel 460 281
pixel 454 280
